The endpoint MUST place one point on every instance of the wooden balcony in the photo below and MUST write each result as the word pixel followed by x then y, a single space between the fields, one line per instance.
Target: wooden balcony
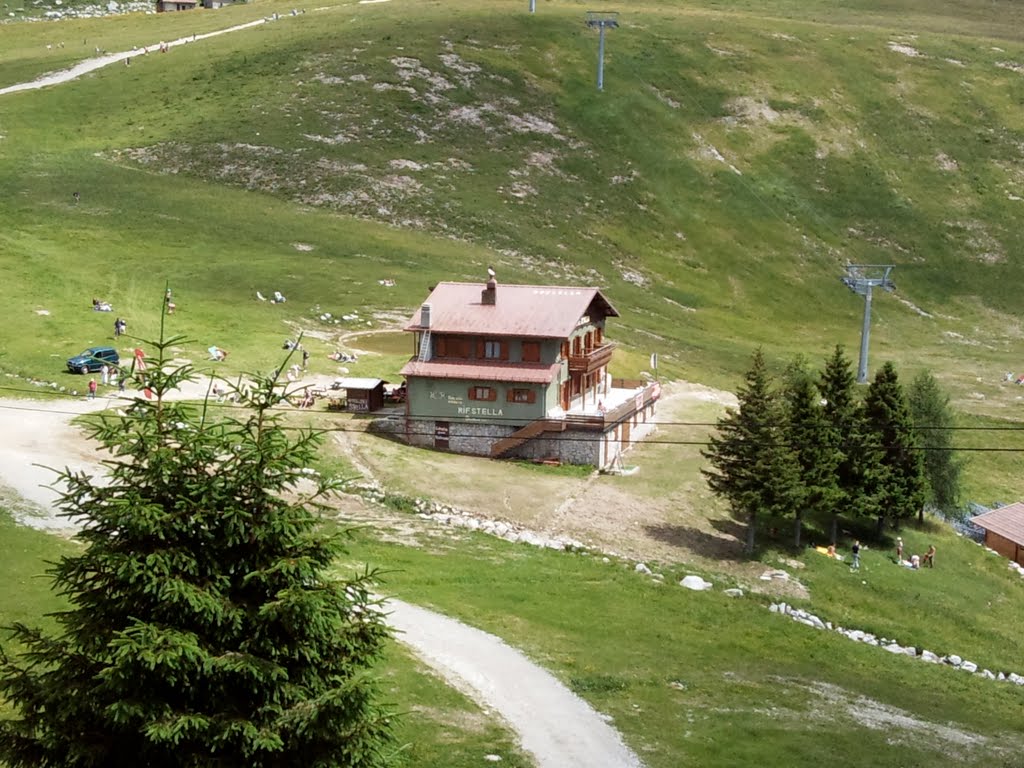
pixel 591 361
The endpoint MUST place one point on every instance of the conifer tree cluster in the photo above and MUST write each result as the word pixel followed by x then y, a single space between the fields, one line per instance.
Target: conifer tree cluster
pixel 810 449
pixel 204 628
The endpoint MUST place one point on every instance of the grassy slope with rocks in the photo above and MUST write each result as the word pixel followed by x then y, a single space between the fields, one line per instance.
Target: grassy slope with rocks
pixel 740 155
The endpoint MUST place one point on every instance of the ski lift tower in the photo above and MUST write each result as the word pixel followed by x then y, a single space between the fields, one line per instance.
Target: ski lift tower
pixel 602 20
pixel 861 279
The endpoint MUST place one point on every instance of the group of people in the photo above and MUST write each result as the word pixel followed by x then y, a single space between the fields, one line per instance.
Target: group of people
pixel 915 561
pixel 98 305
pixel 120 327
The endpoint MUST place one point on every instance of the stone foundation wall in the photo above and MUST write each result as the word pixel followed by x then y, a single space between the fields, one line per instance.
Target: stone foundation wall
pixel 574 446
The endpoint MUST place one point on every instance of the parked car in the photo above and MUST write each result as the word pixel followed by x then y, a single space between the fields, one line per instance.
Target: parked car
pixel 93 359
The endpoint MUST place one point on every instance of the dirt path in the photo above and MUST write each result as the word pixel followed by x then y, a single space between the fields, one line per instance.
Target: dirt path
pixel 554 725
pixel 91 65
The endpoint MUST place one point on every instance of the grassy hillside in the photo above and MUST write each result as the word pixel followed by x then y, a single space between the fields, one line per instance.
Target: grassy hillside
pixel 735 163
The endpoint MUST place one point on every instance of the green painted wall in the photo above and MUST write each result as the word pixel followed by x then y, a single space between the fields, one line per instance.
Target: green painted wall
pixel 448 399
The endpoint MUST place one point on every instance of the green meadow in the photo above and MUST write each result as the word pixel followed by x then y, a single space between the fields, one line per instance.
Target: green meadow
pixel 740 156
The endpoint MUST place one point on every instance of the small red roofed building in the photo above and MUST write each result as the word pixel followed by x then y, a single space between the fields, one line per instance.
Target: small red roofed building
pixel 1004 530
pixel 521 371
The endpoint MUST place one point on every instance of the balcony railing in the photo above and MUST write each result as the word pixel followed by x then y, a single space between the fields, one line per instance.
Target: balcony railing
pixel 641 400
pixel 595 359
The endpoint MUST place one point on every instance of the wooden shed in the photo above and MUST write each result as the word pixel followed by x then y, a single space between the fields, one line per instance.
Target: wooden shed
pixel 165 6
pixel 362 395
pixel 1004 530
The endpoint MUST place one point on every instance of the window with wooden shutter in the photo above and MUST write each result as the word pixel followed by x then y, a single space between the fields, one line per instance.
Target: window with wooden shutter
pixel 531 352
pixel 523 395
pixel 481 349
pixel 504 350
pixel 440 347
pixel 565 350
pixel 598 335
pixel 483 393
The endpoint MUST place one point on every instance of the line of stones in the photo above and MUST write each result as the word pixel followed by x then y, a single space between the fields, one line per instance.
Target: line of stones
pixel 952 660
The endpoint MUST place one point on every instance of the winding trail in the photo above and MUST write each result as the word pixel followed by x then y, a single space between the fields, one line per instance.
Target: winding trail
pixel 554 725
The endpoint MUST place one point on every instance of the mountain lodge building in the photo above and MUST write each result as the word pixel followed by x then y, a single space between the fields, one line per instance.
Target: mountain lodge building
pixel 520 371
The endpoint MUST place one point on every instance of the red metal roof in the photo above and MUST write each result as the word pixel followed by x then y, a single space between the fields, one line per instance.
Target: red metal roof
pixel 1007 521
pixel 527 373
pixel 543 311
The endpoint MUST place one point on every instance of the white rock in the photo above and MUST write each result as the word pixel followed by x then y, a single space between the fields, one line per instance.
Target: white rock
pixel 816 622
pixel 930 657
pixel 955 660
pixel 695 583
pixel 642 568
pixel 988 674
pixel 492 758
pixel 775 608
pixel 910 651
pixel 894 648
pixel 969 666
pixel 734 592
pixel 1000 676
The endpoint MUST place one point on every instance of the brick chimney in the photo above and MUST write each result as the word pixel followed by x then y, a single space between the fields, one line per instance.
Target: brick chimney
pixel 489 294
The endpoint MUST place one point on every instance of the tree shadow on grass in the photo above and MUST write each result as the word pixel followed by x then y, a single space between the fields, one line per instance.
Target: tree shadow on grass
pixel 728 547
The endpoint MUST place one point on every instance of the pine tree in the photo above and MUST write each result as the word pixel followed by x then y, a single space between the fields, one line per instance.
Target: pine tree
pixel 813 442
pixel 753 467
pixel 933 424
pixel 204 629
pixel 858 460
pixel 902 484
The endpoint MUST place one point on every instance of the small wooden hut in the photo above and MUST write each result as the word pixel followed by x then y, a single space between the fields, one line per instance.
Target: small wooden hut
pixel 1004 530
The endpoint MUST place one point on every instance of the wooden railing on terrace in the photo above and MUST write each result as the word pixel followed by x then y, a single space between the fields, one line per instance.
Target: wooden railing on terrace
pixel 588 362
pixel 650 393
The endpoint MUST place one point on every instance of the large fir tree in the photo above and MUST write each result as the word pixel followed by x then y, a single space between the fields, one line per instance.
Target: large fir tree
pixel 752 464
pixel 204 629
pixel 933 423
pixel 814 443
pixel 902 484
pixel 858 460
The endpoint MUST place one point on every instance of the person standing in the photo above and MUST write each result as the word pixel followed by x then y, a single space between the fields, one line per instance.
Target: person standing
pixel 117 327
pixel 899 549
pixel 305 358
pixel 92 389
pixel 929 556
pixel 855 551
pixel 105 374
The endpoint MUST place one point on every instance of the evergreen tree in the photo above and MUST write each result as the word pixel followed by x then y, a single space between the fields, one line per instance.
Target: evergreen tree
pixel 204 629
pixel 857 467
pixel 933 423
pixel 753 467
pixel 813 442
pixel 902 484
